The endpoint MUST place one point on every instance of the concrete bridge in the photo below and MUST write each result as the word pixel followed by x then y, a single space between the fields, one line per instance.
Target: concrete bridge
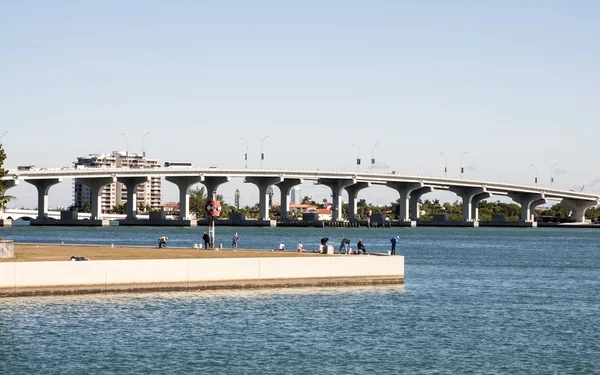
pixel 410 189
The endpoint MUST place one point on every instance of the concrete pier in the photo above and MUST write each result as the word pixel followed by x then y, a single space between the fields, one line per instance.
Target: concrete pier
pixel 105 276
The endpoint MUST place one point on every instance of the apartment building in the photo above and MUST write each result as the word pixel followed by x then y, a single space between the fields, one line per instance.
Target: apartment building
pixel 148 193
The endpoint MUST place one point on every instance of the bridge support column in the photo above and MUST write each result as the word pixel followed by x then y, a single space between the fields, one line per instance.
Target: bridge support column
pixel 415 197
pixel 95 185
pixel 578 208
pixel 404 189
pixel 337 186
pixel 471 196
pixel 285 187
pixel 352 191
pixel 475 205
pixel 263 184
pixel 131 184
pixel 211 183
pixel 528 203
pixel 184 183
pixel 43 186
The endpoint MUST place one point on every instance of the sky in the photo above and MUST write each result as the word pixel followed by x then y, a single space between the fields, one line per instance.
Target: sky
pixel 512 83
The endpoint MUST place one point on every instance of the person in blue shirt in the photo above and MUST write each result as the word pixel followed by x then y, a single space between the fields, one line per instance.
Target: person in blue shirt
pixel 234 241
pixel 394 241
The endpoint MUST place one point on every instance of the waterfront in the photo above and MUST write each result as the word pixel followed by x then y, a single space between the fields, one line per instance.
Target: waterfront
pixel 474 301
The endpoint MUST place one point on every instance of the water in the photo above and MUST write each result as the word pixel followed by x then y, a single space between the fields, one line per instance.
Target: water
pixel 484 300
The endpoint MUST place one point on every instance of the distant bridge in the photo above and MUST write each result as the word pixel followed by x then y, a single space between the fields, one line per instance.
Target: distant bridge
pixel 410 188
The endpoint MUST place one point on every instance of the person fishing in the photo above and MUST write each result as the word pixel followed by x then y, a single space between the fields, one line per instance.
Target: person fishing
pixel 162 242
pixel 394 241
pixel 344 245
pixel 234 241
pixel 361 247
pixel 206 239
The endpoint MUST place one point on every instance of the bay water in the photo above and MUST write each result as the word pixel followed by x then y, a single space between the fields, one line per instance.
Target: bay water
pixel 475 301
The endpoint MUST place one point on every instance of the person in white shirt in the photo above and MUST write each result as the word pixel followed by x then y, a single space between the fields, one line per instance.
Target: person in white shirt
pixel 162 242
pixel 300 247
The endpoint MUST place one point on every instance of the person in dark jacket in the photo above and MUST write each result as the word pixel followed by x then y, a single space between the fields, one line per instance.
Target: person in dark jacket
pixel 361 247
pixel 344 244
pixel 206 239
pixel 324 241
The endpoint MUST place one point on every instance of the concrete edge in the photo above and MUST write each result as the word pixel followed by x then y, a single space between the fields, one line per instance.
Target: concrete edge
pixel 200 285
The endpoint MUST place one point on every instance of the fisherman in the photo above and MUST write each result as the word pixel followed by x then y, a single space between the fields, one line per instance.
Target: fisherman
pixel 282 246
pixel 324 241
pixel 234 241
pixel 394 241
pixel 361 247
pixel 162 242
pixel 300 247
pixel 206 239
pixel 344 245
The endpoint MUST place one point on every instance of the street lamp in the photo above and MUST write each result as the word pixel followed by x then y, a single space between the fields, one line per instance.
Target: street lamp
pixel 357 157
pixel 127 139
pixel 262 155
pixel 552 178
pixel 445 165
pixel 2 136
pixel 462 169
pixel 127 151
pixel 373 156
pixel 536 173
pixel 143 153
pixel 246 154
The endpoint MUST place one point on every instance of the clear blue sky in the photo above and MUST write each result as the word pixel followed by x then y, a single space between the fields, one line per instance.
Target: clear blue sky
pixel 514 83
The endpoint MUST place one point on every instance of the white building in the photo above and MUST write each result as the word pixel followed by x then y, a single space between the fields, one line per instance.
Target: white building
pixel 148 193
pixel 296 195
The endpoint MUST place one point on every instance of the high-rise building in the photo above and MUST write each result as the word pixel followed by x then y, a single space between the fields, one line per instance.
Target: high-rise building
pixel 295 195
pixel 148 193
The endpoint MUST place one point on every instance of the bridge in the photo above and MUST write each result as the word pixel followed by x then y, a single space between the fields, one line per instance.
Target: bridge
pixel 16 214
pixel 410 189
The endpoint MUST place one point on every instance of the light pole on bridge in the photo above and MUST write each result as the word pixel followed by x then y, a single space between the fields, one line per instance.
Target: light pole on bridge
pixel 446 164
pixel 462 169
pixel 551 177
pixel 357 157
pixel 262 155
pixel 144 153
pixel 246 153
pixel 373 157
pixel 536 173
pixel 127 140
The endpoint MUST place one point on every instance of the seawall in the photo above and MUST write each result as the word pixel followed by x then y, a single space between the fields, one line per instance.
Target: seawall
pixel 67 277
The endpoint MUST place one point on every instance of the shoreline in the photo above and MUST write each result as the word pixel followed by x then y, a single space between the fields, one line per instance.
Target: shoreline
pixel 200 286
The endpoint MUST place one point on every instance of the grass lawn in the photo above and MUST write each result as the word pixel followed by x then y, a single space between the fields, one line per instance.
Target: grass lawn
pixel 39 253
